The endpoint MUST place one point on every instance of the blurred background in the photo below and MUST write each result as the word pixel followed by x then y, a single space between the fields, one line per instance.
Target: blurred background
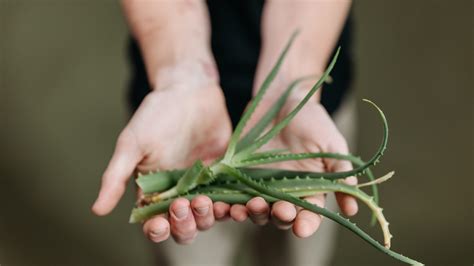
pixel 63 75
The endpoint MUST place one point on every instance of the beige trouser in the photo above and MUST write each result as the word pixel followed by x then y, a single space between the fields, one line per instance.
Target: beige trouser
pixel 231 243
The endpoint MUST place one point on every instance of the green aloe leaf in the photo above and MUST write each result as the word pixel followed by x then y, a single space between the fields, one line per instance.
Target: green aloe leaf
pixel 159 181
pixel 268 191
pixel 253 104
pixel 362 167
pixel 266 154
pixel 269 116
pixel 198 174
pixel 283 123
pixel 234 185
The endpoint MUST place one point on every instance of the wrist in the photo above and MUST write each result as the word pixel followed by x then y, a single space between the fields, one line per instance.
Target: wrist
pixel 188 74
pixel 164 51
pixel 169 32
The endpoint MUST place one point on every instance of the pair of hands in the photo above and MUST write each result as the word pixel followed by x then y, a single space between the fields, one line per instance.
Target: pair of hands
pixel 187 121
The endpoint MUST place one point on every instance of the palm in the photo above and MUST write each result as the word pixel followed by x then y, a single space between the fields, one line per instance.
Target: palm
pixel 172 135
pixel 312 130
pixel 172 128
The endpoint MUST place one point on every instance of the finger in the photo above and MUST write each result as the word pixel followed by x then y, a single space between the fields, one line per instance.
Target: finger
pixel 307 222
pixel 283 214
pixel 203 212
pixel 124 160
pixel 183 225
pixel 238 212
pixel 258 210
pixel 221 211
pixel 347 204
pixel 157 229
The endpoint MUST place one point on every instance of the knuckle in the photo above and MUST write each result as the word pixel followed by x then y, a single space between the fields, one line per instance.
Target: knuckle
pixel 125 138
pixel 185 239
pixel 318 200
pixel 184 228
pixel 115 186
pixel 201 201
pixel 283 212
pixel 156 229
pixel 257 207
pixel 282 225
pixel 283 217
pixel 183 232
pixel 205 225
pixel 310 218
pixel 157 238
pixel 340 144
pixel 179 203
pixel 259 220
pixel 179 209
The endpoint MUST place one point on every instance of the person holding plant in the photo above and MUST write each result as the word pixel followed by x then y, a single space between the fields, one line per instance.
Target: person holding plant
pixel 189 87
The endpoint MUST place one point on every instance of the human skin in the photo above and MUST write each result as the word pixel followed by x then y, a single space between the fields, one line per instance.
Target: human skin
pixel 312 130
pixel 184 118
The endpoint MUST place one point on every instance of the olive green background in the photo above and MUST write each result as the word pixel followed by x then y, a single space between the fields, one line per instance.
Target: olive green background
pixel 63 74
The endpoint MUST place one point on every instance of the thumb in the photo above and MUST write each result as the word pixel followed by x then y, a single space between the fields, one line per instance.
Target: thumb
pixel 124 160
pixel 347 204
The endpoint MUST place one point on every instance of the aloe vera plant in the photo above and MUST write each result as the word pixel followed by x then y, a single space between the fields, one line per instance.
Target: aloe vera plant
pixel 233 178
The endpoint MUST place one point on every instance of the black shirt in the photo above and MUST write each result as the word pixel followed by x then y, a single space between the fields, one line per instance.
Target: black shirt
pixel 236 45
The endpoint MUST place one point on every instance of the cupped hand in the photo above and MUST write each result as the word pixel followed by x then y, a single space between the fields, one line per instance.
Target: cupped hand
pixel 312 130
pixel 172 128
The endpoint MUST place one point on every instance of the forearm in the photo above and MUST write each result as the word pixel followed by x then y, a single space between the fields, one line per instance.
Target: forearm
pixel 171 33
pixel 320 23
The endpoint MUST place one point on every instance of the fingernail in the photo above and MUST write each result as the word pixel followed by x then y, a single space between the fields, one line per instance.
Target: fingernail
pixel 202 210
pixel 157 233
pixel 181 212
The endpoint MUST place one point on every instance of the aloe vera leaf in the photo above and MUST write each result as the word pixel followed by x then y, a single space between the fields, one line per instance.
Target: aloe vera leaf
pixel 375 191
pixel 153 182
pixel 159 181
pixel 309 155
pixel 196 175
pixel 314 208
pixel 302 187
pixel 149 184
pixel 374 160
pixel 283 123
pixel 265 154
pixel 269 116
pixel 363 167
pixel 298 187
pixel 266 173
pixel 263 173
pixel 253 104
pixel 295 186
pixel 377 181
